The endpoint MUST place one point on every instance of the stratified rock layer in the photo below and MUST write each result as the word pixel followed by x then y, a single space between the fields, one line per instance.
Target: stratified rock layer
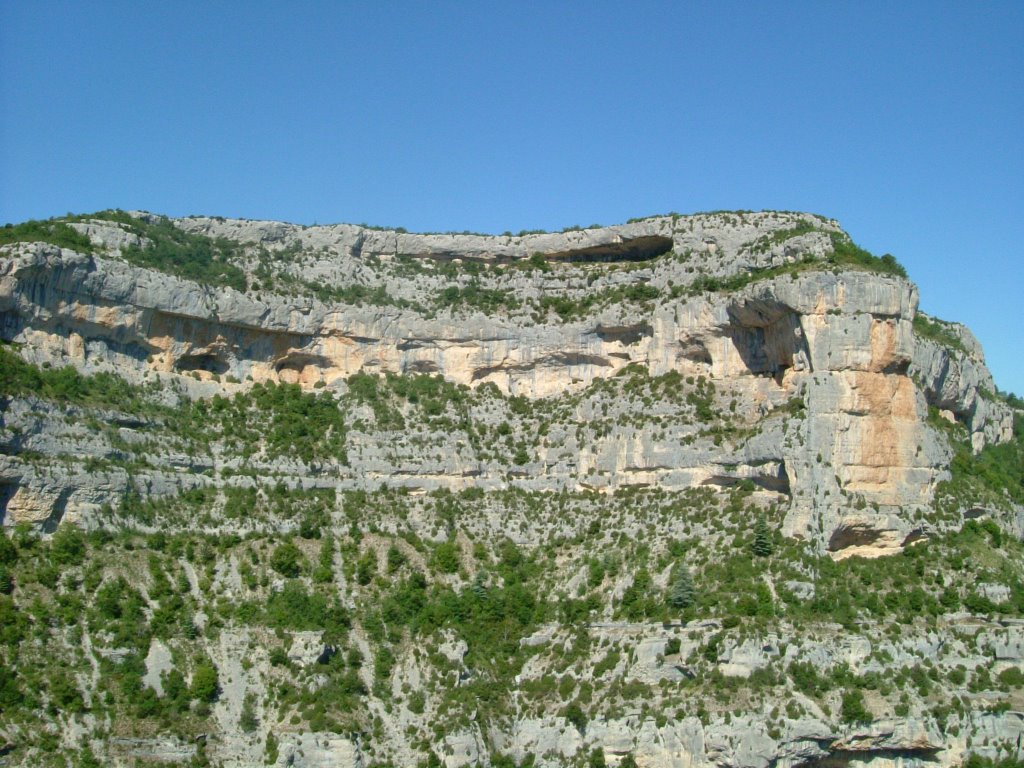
pixel 841 343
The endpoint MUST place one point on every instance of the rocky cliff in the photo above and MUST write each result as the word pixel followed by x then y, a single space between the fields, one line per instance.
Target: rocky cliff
pixel 840 341
pixel 670 381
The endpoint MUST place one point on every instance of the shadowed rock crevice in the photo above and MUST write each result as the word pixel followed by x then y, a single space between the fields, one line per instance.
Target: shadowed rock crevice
pixel 8 487
pixel 768 337
pixel 60 505
pixel 633 249
pixel 696 351
pixel 421 366
pixel 555 361
pixel 298 361
pixel 777 481
pixel 11 324
pixel 863 533
pixel 628 334
pixel 202 362
pixel 843 758
pixel 769 476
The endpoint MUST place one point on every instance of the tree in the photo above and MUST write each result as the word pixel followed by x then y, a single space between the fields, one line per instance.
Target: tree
pixel 205 682
pixel 87 759
pixel 446 557
pixel 270 750
pixel 396 558
pixel 8 552
pixel 682 594
pixel 763 545
pixel 248 721
pixel 68 545
pixel 575 715
pixel 853 710
pixel 638 601
pixel 287 560
pixel 324 571
pixel 366 567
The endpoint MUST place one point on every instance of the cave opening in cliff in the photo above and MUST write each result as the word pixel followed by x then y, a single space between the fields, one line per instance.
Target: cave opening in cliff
pixel 203 362
pixel 7 490
pixel 768 337
pixel 633 249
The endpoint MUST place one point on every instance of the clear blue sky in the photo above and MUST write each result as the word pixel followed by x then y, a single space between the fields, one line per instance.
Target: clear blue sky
pixel 903 120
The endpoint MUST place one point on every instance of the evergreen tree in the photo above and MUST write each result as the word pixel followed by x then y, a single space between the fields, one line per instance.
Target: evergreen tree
pixel 324 572
pixel 763 545
pixel 480 586
pixel 682 594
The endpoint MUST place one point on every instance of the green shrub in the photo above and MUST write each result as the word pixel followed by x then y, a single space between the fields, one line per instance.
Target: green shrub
pixel 446 557
pixel 247 720
pixel 270 750
pixel 205 682
pixel 53 232
pixel 852 710
pixel 67 547
pixel 575 715
pixel 293 607
pixel 287 560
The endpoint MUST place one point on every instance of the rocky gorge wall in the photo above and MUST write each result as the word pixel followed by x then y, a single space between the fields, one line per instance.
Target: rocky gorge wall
pixel 841 343
pixel 601 497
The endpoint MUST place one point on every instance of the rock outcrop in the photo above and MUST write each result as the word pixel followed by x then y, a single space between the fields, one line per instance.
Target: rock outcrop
pixel 360 497
pixel 840 344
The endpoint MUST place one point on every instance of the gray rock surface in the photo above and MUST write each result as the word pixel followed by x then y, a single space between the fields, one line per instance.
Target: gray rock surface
pixel 842 343
pixel 810 390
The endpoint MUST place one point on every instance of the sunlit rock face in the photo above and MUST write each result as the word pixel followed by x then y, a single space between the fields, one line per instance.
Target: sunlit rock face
pixel 852 469
pixel 554 499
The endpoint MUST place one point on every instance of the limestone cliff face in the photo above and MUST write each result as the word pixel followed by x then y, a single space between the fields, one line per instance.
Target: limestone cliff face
pixel 623 416
pixel 837 345
pixel 956 380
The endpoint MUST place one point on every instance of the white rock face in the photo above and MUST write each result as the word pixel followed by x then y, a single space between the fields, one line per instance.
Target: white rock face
pixel 318 750
pixel 828 382
pixel 958 382
pixel 158 662
pixel 855 468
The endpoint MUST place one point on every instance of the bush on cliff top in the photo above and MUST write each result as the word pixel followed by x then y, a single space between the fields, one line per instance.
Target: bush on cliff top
pixel 50 231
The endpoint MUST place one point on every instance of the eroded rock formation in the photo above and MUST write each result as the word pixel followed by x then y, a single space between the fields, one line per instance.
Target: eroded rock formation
pixel 838 342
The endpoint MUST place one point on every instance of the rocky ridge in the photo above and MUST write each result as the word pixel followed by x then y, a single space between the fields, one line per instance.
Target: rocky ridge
pixel 444 427
pixel 842 341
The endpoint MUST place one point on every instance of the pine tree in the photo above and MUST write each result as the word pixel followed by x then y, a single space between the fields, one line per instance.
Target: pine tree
pixel 683 594
pixel 763 545
pixel 480 586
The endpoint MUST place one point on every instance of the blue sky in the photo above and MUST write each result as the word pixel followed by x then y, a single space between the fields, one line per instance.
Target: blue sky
pixel 902 120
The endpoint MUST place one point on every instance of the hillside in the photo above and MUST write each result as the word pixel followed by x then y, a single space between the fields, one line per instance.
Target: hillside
pixel 691 490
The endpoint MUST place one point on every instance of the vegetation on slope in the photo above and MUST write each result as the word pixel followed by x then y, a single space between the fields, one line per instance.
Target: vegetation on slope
pixel 405 576
pixel 172 250
pixel 845 254
pixel 468 286
pixel 102 598
pixel 51 231
pixel 938 331
pixel 65 384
